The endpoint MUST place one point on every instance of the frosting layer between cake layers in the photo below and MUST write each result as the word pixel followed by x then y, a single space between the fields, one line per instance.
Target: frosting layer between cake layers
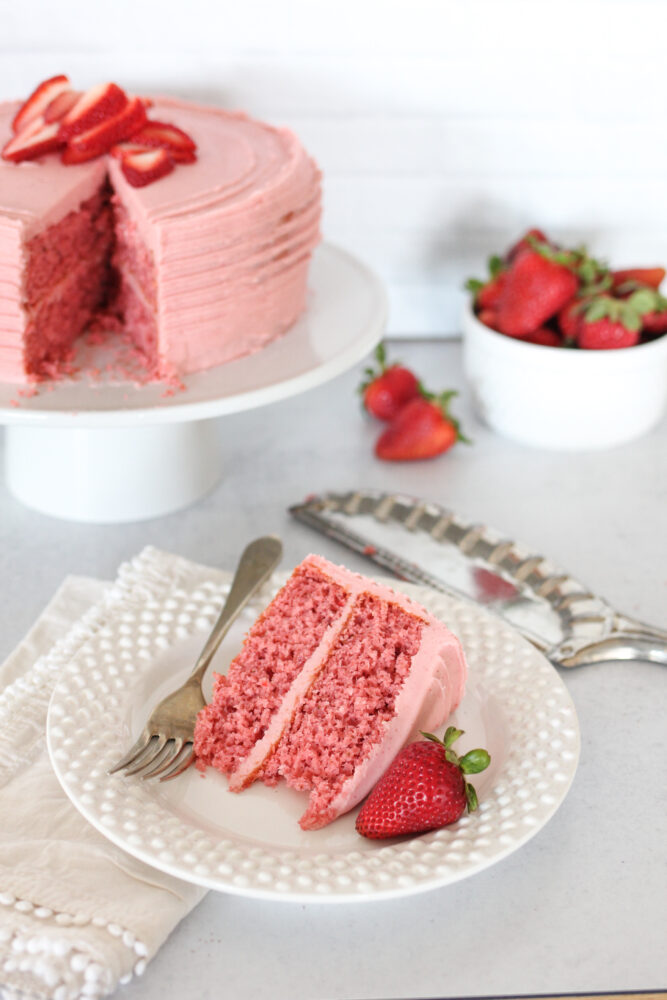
pixel 228 238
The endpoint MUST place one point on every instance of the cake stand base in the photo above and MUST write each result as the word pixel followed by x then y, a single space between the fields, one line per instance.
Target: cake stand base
pixel 106 475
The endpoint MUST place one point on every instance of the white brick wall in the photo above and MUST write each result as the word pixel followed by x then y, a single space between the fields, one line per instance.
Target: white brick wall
pixel 443 127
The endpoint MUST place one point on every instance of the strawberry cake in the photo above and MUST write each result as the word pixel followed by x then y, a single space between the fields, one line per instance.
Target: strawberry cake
pixel 334 677
pixel 190 227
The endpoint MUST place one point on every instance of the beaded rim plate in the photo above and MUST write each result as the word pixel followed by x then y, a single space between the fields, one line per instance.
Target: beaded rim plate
pixel 515 704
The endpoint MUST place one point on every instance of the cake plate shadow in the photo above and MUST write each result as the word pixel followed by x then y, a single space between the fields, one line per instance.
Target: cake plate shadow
pixel 105 450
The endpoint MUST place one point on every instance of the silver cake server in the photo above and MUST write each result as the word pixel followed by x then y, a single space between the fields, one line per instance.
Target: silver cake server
pixel 422 542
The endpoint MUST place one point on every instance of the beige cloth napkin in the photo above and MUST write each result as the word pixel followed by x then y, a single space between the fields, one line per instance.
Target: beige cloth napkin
pixel 78 915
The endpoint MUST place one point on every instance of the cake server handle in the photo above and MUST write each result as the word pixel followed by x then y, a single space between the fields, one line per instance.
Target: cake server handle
pixel 256 564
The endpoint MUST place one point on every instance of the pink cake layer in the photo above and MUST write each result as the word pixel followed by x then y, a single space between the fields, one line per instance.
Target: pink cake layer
pixel 276 648
pixel 382 669
pixel 67 281
pixel 229 237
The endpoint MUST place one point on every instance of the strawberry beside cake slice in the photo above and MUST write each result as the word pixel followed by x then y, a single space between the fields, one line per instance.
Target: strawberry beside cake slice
pixel 335 676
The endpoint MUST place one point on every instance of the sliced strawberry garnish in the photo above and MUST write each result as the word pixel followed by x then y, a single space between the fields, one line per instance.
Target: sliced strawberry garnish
pixel 177 142
pixel 38 101
pixel 121 149
pixel 146 167
pixel 99 140
pixel 61 105
pixel 101 102
pixel 36 140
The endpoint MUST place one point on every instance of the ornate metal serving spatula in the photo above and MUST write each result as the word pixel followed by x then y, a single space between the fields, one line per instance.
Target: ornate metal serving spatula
pixel 424 543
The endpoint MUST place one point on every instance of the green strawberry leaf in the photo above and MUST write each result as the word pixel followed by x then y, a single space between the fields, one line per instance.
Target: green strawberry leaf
pixel 597 309
pixel 496 265
pixel 475 761
pixel 471 798
pixel 643 300
pixel 473 285
pixel 452 734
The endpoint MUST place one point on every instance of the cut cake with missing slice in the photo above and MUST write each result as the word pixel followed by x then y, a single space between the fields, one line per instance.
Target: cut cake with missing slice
pixel 333 678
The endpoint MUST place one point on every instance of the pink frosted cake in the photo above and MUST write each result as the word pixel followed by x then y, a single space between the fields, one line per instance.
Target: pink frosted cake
pixel 333 678
pixel 201 264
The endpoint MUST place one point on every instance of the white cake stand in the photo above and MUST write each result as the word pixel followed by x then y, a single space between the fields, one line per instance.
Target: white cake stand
pixel 102 450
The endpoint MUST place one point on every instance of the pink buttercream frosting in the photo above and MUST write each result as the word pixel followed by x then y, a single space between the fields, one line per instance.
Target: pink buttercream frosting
pixel 230 236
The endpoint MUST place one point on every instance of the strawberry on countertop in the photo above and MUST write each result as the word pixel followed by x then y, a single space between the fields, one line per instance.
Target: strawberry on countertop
pixel 423 789
pixel 423 428
pixel 387 390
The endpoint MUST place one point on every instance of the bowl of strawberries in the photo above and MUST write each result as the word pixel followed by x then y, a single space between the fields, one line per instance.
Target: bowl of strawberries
pixel 561 351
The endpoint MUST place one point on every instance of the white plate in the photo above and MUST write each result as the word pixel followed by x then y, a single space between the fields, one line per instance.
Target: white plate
pixel 516 705
pixel 345 317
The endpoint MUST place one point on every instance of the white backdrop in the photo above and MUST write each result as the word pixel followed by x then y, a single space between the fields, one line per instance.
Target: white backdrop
pixel 443 127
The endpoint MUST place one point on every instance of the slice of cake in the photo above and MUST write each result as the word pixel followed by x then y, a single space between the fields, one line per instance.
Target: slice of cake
pixel 333 678
pixel 205 264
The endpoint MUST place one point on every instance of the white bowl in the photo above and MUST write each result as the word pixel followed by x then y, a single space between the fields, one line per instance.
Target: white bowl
pixel 554 397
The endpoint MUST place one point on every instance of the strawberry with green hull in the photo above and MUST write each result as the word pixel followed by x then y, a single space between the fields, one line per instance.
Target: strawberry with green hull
pixel 423 428
pixel 486 293
pixel 386 391
pixel 608 323
pixel 423 789
pixel 525 243
pixel 540 282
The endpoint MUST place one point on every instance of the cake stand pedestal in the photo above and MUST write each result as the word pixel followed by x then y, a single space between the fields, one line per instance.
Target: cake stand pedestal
pixel 109 451
pixel 111 474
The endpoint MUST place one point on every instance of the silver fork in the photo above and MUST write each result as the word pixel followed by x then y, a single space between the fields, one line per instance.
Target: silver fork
pixel 165 746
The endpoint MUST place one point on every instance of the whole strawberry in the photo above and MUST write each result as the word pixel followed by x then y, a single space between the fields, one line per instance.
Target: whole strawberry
pixel 543 336
pixel 423 428
pixel 524 243
pixel 632 278
pixel 537 286
pixel 486 293
pixel 608 323
pixel 386 391
pixel 423 789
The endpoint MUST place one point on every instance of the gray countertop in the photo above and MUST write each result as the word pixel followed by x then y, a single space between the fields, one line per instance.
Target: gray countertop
pixel 580 907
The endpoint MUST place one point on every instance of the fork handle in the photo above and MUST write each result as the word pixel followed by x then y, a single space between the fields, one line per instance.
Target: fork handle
pixel 258 561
